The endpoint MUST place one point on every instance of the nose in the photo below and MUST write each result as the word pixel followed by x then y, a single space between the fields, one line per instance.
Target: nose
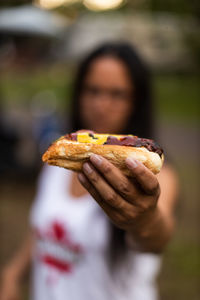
pixel 102 103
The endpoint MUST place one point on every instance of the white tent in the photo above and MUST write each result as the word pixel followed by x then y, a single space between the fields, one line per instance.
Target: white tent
pixel 29 19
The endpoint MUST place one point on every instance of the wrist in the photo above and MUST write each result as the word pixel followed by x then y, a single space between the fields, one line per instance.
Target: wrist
pixel 147 232
pixel 145 220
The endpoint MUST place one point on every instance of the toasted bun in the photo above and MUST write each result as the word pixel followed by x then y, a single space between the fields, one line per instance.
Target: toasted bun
pixel 71 155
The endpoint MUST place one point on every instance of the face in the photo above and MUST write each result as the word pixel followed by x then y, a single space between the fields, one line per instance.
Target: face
pixel 106 99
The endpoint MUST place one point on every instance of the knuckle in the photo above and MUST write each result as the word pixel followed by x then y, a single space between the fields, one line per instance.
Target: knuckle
pixel 154 188
pixel 140 211
pixel 111 197
pixel 147 203
pixel 107 168
pixel 94 177
pixel 143 206
pixel 119 219
pixel 150 203
pixel 116 201
pixel 140 171
pixel 131 214
pixel 124 187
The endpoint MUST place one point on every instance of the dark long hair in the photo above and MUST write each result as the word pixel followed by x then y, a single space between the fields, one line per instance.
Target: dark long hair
pixel 141 120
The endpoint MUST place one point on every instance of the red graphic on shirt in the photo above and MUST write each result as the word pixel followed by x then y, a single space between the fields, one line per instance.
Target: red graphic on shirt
pixel 57 249
pixel 60 265
pixel 59 231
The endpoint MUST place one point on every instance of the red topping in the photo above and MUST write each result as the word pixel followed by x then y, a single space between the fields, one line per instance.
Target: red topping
pixel 71 136
pixel 134 141
pixel 131 141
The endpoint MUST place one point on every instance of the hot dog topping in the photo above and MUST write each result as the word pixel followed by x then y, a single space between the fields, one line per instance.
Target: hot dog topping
pixel 121 140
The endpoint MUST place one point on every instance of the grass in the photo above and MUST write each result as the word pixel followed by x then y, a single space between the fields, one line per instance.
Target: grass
pixel 180 275
pixel 177 98
pixel 20 88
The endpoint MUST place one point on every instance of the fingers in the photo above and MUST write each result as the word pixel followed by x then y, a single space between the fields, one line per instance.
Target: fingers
pixel 104 189
pixel 144 176
pixel 115 177
pixel 88 186
pixel 129 190
pixel 118 216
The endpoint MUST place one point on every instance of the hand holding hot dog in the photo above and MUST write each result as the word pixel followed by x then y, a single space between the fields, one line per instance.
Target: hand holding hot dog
pixel 123 199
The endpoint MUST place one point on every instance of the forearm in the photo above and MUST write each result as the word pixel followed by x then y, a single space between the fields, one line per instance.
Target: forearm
pixel 18 265
pixel 151 232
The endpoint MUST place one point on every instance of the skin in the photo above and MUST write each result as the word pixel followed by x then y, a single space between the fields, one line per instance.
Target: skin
pixel 107 93
pixel 133 204
pixel 15 270
pixel 142 205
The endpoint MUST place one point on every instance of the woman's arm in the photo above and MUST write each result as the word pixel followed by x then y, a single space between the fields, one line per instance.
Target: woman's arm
pixel 154 230
pixel 15 270
pixel 141 205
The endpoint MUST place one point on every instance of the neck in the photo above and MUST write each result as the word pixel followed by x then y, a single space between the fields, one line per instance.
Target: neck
pixel 76 189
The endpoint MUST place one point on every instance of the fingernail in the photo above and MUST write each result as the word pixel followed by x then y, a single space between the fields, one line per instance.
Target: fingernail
pixel 81 177
pixel 131 162
pixel 87 168
pixel 96 159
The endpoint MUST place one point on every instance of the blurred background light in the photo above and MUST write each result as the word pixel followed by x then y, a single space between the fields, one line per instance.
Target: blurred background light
pixel 102 4
pixel 96 5
pixel 50 4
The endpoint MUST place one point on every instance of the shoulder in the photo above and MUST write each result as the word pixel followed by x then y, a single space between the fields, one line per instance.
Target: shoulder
pixel 169 185
pixel 168 174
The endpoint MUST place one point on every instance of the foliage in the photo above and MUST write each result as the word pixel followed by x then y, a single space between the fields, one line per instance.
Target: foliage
pixel 176 96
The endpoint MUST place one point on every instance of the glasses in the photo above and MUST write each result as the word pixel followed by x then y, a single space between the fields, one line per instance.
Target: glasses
pixel 92 91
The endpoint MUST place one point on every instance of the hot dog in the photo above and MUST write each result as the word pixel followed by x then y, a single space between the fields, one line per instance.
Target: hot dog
pixel 72 150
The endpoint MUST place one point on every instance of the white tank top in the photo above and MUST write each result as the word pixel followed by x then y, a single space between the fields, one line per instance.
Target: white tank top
pixel 72 238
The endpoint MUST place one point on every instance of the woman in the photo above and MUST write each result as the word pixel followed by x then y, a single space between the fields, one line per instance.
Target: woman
pixel 108 248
